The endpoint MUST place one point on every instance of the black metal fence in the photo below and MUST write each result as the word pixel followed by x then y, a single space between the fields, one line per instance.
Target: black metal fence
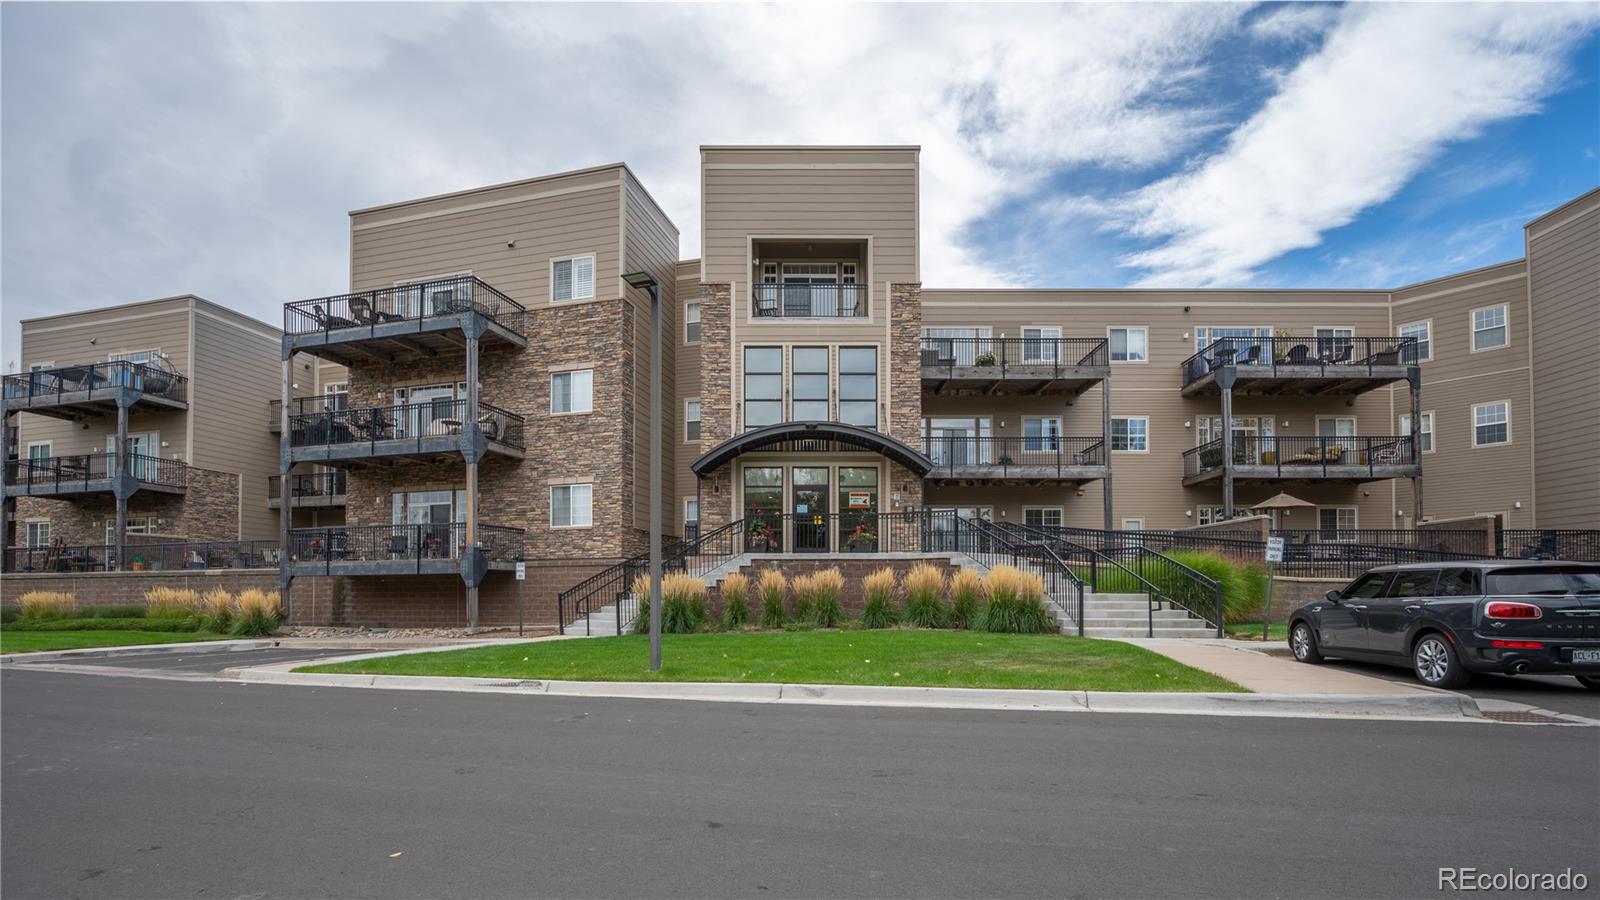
pixel 151 557
pixel 405 421
pixel 1549 543
pixel 1005 354
pixel 1306 457
pixel 1301 356
pixel 810 301
pixel 78 471
pixel 1468 541
pixel 369 310
pixel 850 531
pixel 1002 456
pixel 310 484
pixel 402 543
pixel 96 380
pixel 299 406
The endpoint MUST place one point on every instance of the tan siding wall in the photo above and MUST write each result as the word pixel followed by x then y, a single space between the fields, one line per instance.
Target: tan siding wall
pixel 650 244
pixel 686 375
pixel 1564 282
pixel 237 372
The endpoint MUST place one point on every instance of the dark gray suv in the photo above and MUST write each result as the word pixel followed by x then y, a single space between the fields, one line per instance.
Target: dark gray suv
pixel 1447 620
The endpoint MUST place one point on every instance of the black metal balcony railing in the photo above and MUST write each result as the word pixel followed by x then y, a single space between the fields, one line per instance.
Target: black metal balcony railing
pixel 96 380
pixel 403 303
pixel 1305 457
pixel 53 473
pixel 310 484
pixel 406 421
pixel 808 301
pixel 1549 543
pixel 402 543
pixel 1003 456
pixel 1326 355
pixel 1014 353
pixel 155 557
pixel 303 405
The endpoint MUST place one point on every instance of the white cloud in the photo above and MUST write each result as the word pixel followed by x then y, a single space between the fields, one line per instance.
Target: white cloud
pixel 1295 21
pixel 1389 89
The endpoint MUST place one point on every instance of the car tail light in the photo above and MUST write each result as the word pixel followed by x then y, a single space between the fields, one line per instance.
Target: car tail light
pixel 1517 645
pixel 1502 609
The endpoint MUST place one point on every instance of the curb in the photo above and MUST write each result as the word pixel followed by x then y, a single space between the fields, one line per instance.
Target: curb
pixel 143 649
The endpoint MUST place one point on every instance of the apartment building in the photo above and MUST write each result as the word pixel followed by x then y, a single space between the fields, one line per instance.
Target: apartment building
pixel 137 424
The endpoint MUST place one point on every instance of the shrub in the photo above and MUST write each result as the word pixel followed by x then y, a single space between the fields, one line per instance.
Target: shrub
pixel 9 614
pixel 924 586
pixel 772 586
pixel 131 623
pixel 110 611
pixel 217 611
pixel 878 611
pixel 966 598
pixel 171 603
pixel 805 599
pixel 1244 585
pixel 735 600
pixel 826 610
pixel 257 613
pixel 1016 603
pixel 45 605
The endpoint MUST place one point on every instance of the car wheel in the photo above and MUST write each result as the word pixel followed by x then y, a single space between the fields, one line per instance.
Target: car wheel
pixel 1592 682
pixel 1435 663
pixel 1303 644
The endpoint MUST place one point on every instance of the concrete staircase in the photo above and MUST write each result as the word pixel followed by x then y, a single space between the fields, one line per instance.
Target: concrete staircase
pixel 600 623
pixel 1128 615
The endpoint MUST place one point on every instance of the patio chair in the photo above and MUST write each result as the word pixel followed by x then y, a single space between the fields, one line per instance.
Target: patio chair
pixel 1252 356
pixel 378 426
pixel 491 425
pixel 399 546
pixel 1342 356
pixel 329 320
pixel 361 310
pixel 1297 355
pixel 1389 356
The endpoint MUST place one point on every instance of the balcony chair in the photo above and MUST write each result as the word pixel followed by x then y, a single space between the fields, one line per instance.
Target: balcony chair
pixel 399 546
pixel 1342 357
pixel 1252 356
pixel 492 424
pixel 327 320
pixel 377 425
pixel 1389 356
pixel 1298 356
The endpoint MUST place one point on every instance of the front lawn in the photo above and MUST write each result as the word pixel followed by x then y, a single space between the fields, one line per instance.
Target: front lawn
pixel 32 641
pixel 894 657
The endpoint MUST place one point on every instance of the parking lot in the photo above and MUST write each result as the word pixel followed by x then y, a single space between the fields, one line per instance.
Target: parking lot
pixel 200 662
pixel 1557 693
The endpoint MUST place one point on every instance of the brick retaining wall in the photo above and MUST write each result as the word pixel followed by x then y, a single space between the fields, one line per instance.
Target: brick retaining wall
pixel 101 588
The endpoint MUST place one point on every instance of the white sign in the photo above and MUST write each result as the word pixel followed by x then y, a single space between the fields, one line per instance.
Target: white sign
pixel 1274 549
pixel 522 571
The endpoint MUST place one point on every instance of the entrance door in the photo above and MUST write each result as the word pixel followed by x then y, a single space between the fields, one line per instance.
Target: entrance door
pixel 859 526
pixel 811 289
pixel 143 458
pixel 810 510
pixel 763 509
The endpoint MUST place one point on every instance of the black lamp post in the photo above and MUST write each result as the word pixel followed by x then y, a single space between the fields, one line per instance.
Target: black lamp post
pixel 645 281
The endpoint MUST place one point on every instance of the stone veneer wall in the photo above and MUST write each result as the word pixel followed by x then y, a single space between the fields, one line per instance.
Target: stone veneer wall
pixel 120 588
pixel 905 387
pixel 208 510
pixel 716 402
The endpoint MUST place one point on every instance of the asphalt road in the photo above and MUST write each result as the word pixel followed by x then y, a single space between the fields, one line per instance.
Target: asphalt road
pixel 133 787
pixel 1560 693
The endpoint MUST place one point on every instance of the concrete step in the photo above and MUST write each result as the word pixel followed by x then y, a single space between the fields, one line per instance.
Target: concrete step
pixel 1199 632
pixel 1093 595
pixel 1140 621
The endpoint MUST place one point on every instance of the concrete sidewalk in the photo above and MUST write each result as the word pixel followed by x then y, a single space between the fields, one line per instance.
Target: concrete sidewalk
pixel 1246 664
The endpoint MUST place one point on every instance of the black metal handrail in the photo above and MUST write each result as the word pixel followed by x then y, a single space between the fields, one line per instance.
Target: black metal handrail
pixel 310 484
pixel 694 555
pixel 152 557
pixel 416 543
pixel 55 472
pixel 1003 455
pixel 96 380
pixel 405 421
pixel 1025 356
pixel 811 301
pixel 299 406
pixel 1296 456
pixel 990 545
pixel 370 310
pixel 1297 357
pixel 1549 543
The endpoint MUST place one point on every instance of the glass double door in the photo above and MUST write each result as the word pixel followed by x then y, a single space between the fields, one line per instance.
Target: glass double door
pixel 811 509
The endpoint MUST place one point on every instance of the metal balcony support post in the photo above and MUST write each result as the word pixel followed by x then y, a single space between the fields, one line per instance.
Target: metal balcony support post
pixel 472 473
pixel 1105 444
pixel 119 492
pixel 1226 376
pixel 285 491
pixel 1414 377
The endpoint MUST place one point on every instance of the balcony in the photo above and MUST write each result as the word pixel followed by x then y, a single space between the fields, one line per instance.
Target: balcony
pixel 1333 366
pixel 808 301
pixel 1304 459
pixel 152 557
pixel 427 549
pixel 434 429
pixel 1024 460
pixel 414 321
pixel 312 490
pixel 92 473
pixel 1037 366
pixel 299 406
pixel 88 390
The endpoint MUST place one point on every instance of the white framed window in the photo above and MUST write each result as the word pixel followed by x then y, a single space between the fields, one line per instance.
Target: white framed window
pixel 1134 524
pixel 808 384
pixel 1422 351
pixel 1334 523
pixel 858 386
pixel 1333 342
pixel 1489 328
pixel 691 510
pixel 691 419
pixel 1042 516
pixel 571 505
pixel 1041 344
pixel 572 278
pixel 433 295
pixel 1130 434
pixel 1491 423
pixel 1208 515
pixel 38 533
pixel 1425 433
pixel 336 395
pixel 763 386
pixel 136 525
pixel 571 392
pixel 1129 343
pixel 1336 426
pixel 40 366
pixel 142 357
pixel 1041 433
pixel 691 322
pixel 39 451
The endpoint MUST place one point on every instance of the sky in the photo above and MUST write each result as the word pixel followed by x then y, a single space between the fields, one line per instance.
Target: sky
pixel 152 150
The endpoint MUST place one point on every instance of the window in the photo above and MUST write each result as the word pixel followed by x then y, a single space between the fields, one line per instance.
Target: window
pixel 1425 441
pixel 1042 516
pixel 1132 524
pixel 39 451
pixel 763 386
pixel 571 505
pixel 1366 587
pixel 1336 426
pixel 691 510
pixel 1423 350
pixel 810 385
pixel 572 278
pixel 1489 328
pixel 1130 344
pixel 1041 344
pixel 38 534
pixel 434 295
pixel 691 419
pixel 1041 433
pixel 691 323
pixel 1335 521
pixel 858 386
pixel 1458 583
pixel 136 525
pixel 1239 339
pixel 1130 434
pixel 1491 423
pixel 142 357
pixel 956 346
pixel 336 395
pixel 1413 584
pixel 572 392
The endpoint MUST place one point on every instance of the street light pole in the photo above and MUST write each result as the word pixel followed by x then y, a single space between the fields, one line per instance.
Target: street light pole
pixel 646 281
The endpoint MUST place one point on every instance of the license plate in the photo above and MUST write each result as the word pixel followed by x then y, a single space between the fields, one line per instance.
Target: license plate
pixel 1586 656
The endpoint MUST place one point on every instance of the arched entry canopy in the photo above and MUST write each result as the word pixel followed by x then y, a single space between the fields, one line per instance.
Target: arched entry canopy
pixel 810 437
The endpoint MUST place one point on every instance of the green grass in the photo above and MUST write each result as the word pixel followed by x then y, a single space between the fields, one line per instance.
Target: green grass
pixel 893 657
pixel 1251 631
pixel 33 641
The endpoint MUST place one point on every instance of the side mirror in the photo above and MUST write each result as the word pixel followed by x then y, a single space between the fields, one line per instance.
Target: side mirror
pixel 1332 596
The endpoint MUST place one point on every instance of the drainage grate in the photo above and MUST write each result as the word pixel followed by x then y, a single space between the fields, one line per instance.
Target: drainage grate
pixel 1524 718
